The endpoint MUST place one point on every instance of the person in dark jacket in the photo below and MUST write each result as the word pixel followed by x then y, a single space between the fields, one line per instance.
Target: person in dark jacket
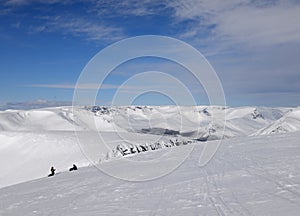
pixel 52 170
pixel 73 168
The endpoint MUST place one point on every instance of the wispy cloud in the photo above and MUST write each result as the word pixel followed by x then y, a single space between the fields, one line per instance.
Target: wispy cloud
pixel 132 86
pixel 128 7
pixel 17 3
pixel 95 86
pixel 25 105
pixel 72 86
pixel 94 21
pixel 82 25
pixel 88 29
pixel 247 22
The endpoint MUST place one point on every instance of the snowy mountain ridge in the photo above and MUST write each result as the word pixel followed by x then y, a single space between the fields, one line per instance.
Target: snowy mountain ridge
pixel 239 120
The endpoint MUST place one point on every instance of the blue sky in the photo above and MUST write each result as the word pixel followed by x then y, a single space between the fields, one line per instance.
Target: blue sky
pixel 254 47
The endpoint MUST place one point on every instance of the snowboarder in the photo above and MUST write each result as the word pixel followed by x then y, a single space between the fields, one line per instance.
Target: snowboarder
pixel 52 172
pixel 73 168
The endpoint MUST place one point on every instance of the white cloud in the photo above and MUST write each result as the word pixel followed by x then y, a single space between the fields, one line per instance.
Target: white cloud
pixel 254 24
pixel 266 26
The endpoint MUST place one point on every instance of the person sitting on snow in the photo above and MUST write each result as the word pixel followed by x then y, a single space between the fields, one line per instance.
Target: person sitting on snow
pixel 52 172
pixel 73 168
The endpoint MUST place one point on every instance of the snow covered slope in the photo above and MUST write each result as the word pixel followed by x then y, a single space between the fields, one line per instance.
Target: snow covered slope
pixel 32 141
pixel 247 176
pixel 29 155
pixel 290 122
pixel 48 119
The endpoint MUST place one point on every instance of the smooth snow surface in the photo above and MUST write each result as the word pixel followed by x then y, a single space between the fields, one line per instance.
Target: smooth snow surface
pixel 247 176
